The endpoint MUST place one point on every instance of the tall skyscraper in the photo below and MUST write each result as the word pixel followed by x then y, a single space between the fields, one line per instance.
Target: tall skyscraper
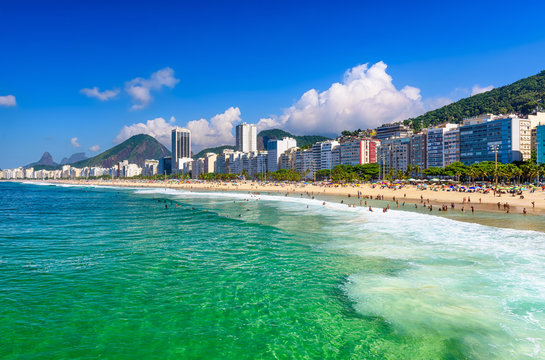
pixel 181 146
pixel 246 139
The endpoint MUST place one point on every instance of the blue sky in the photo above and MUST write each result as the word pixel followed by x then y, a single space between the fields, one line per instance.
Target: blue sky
pixel 222 62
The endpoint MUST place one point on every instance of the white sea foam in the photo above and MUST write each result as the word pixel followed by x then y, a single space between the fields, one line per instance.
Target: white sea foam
pixel 479 285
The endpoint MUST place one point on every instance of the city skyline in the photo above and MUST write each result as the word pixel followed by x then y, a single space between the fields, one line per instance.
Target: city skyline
pixel 72 87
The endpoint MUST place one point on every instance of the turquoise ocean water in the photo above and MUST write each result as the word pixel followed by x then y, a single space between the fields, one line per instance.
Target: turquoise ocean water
pixel 110 273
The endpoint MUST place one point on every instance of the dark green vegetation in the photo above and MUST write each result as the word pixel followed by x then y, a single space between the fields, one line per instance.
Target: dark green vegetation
pixel 486 170
pixel 349 173
pixel 135 149
pixel 523 96
pixel 216 150
pixel 273 134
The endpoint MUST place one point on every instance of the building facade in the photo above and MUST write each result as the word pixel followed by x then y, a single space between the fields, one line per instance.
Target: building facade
pixel 275 148
pixel 246 137
pixel 181 147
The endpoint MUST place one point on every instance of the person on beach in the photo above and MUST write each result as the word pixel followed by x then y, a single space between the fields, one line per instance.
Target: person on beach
pixel 524 211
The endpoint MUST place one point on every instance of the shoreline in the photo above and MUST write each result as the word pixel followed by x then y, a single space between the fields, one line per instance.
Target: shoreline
pixel 408 194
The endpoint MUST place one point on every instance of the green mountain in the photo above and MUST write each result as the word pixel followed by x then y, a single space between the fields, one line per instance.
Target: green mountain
pixel 135 149
pixel 523 96
pixel 216 150
pixel 264 136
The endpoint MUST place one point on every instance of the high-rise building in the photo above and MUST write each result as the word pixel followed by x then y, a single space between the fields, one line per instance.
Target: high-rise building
pixel 275 148
pixel 419 151
pixel 451 146
pixel 358 151
pixel 394 154
pixel 151 167
pixel 330 154
pixel 540 143
pixel 246 137
pixel 436 154
pixel 482 137
pixel 388 131
pixel 304 163
pixel 181 147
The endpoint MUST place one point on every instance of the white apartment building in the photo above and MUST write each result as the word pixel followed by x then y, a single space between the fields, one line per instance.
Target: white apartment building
pixel 329 154
pixel 151 167
pixel 275 148
pixel 246 137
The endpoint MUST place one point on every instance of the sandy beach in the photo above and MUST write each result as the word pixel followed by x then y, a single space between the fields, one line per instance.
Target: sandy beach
pixel 410 194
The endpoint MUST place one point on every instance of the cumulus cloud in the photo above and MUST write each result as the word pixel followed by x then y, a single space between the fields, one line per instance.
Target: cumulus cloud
pixel 101 95
pixel 436 103
pixel 476 89
pixel 216 131
pixel 8 100
pixel 204 133
pixel 95 148
pixel 365 98
pixel 74 142
pixel 140 89
pixel 159 128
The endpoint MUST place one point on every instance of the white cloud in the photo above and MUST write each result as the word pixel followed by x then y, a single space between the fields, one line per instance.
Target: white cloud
pixel 101 95
pixel 216 131
pixel 8 100
pixel 204 133
pixel 74 142
pixel 366 98
pixel 140 89
pixel 159 128
pixel 436 103
pixel 476 89
pixel 94 148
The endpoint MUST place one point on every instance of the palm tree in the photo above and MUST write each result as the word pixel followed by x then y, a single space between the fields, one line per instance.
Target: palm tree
pixel 416 169
pixel 473 173
pixel 409 171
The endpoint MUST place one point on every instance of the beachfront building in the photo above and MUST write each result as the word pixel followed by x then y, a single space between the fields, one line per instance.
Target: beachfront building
pixel 483 136
pixel 181 147
pixel 394 154
pixel 185 166
pixel 210 162
pixel 540 143
pixel 397 130
pixel 451 146
pixel 535 120
pixel 329 154
pixel 304 163
pixel 165 165
pixel 287 159
pixel 197 168
pixel 435 144
pixel 29 173
pixel 151 167
pixel 65 171
pixel 275 148
pixel 356 151
pixel 246 137
pixel 418 150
